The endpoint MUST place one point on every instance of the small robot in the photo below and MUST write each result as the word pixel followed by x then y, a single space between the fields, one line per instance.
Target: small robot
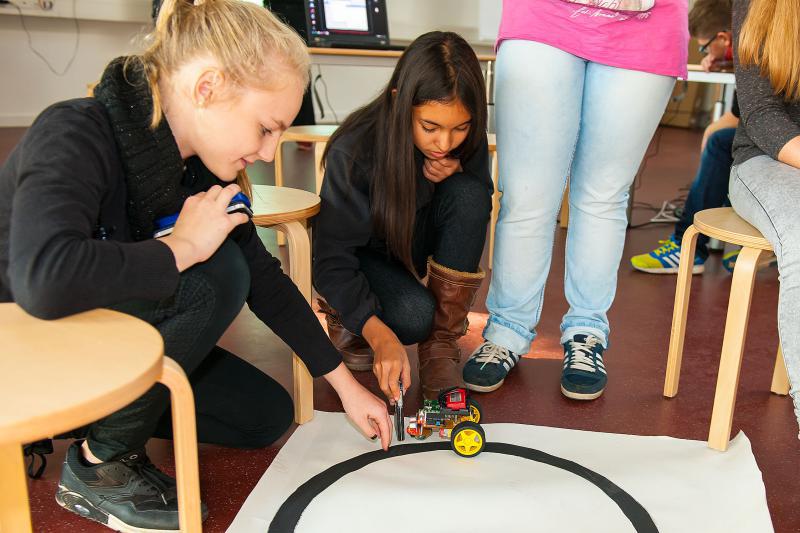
pixel 456 417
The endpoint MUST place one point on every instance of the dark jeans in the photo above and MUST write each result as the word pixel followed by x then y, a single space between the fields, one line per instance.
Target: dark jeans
pixel 236 404
pixel 452 228
pixel 710 186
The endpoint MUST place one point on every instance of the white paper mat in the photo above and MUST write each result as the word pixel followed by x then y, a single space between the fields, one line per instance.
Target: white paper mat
pixel 683 485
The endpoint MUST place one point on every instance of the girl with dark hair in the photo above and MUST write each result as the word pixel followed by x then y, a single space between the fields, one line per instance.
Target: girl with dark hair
pixel 407 191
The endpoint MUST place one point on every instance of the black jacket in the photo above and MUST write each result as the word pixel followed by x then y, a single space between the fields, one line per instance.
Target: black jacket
pixel 344 225
pixel 66 244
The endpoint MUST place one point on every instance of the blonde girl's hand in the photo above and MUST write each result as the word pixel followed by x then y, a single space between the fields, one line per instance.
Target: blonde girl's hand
pixel 202 226
pixel 367 411
pixel 437 170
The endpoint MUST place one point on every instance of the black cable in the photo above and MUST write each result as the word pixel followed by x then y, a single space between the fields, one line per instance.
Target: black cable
pixel 39 55
pixel 319 78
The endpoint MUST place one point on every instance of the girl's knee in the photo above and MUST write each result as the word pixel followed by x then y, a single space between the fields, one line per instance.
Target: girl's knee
pixel 410 317
pixel 226 276
pixel 270 420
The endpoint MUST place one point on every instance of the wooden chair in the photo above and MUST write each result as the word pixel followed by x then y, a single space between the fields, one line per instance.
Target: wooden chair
pixel 287 210
pixel 723 224
pixel 56 375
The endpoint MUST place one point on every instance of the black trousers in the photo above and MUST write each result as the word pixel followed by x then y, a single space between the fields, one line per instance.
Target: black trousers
pixel 452 229
pixel 236 404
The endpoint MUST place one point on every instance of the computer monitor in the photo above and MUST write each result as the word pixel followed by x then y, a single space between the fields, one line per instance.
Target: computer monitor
pixel 347 23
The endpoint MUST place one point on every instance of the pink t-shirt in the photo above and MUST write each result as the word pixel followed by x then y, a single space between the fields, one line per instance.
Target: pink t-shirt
pixel 653 41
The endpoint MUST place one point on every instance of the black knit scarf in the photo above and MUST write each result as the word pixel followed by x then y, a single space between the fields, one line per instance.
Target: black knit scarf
pixel 150 158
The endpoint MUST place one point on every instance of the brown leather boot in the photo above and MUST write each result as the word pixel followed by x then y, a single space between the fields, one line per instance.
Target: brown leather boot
pixel 439 355
pixel 356 353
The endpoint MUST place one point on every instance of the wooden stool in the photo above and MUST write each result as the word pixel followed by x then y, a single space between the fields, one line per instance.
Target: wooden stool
pixel 318 135
pixel 492 140
pixel 723 224
pixel 56 375
pixel 287 210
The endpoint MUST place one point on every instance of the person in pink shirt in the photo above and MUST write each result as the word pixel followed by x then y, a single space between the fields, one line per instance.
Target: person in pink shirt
pixel 580 92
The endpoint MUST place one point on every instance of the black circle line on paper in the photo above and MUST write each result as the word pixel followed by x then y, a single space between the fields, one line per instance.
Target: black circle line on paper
pixel 289 513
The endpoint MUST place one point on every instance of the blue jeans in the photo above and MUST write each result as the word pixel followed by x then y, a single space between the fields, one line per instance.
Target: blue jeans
pixel 559 115
pixel 710 186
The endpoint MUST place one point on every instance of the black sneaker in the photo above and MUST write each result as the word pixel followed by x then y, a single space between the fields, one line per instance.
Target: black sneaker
pixel 488 366
pixel 128 493
pixel 584 375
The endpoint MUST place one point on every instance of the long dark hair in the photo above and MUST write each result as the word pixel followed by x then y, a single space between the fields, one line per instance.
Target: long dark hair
pixel 436 67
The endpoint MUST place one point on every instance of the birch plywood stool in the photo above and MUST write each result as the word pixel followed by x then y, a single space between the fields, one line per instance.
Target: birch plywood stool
pixel 287 210
pixel 723 224
pixel 491 139
pixel 318 136
pixel 121 358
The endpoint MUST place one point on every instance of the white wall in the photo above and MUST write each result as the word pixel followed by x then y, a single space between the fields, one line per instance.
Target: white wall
pixel 350 87
pixel 28 86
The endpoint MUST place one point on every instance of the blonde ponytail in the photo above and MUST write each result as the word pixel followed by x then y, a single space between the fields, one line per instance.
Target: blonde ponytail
pixel 769 39
pixel 252 47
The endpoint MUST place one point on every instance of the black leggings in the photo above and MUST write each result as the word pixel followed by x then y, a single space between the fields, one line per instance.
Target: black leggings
pixel 236 404
pixel 452 229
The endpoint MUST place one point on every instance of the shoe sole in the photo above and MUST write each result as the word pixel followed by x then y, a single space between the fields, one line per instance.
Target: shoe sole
pixel 76 503
pixel 697 269
pixel 581 396
pixel 490 388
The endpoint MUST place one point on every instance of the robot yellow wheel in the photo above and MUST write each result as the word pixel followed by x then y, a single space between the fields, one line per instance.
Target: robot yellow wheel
pixel 475 411
pixel 467 439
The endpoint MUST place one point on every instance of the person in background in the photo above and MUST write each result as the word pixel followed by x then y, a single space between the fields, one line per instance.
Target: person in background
pixel 709 23
pixel 765 178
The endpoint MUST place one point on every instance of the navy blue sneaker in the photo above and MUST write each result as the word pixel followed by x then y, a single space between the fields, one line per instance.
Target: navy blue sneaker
pixel 584 375
pixel 488 366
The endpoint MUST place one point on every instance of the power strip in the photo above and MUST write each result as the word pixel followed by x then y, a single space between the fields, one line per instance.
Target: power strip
pixel 44 5
pixel 138 11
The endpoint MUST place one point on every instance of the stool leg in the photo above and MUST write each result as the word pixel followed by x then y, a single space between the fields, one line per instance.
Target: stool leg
pixel 319 149
pixel 732 348
pixel 780 378
pixel 279 239
pixel 300 272
pixel 15 515
pixel 680 309
pixel 495 208
pixel 184 437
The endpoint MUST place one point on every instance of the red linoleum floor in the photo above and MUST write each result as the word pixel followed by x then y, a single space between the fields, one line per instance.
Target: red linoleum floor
pixel 633 404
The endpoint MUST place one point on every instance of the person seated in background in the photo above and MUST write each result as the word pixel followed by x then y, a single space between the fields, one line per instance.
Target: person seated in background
pixel 709 24
pixel 765 177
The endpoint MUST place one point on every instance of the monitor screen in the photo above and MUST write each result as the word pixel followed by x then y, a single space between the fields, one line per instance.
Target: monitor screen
pixel 343 22
pixel 346 15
